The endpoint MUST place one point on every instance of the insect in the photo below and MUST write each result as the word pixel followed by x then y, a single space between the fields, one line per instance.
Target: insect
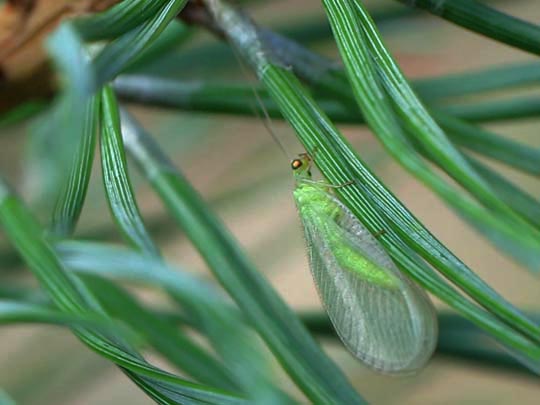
pixel 381 316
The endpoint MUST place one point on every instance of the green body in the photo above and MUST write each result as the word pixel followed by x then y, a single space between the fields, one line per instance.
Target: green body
pixel 382 318
pixel 316 206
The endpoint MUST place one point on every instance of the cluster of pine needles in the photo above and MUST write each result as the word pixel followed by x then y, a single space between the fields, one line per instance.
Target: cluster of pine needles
pixel 113 57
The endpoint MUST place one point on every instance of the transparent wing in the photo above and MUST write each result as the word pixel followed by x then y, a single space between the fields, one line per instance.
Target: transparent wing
pixel 393 330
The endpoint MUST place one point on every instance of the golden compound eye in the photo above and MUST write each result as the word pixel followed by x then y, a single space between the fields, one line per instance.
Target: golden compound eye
pixel 296 163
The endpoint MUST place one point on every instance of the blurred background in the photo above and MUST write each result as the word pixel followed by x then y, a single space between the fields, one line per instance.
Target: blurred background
pixel 236 165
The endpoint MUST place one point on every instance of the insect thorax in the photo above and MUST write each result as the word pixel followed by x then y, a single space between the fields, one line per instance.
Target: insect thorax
pixel 312 197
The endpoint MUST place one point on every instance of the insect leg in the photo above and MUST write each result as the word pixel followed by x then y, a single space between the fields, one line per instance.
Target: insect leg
pixel 310 159
pixel 308 156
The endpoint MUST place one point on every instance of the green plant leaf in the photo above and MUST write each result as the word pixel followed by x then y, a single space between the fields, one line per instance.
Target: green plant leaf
pixel 520 201
pixel 495 78
pixel 498 110
pixel 302 359
pixel 514 154
pixel 205 307
pixel 92 302
pixel 374 205
pixel 70 201
pixel 70 295
pixel 326 78
pixel 57 133
pixel 129 265
pixel 485 20
pixel 121 53
pixel 459 339
pixel 20 113
pixel 379 209
pixel 119 191
pixel 481 141
pixel 523 202
pixel 117 20
pixel 5 399
pixel 237 98
pixel 12 311
pixel 172 38
pixel 500 224
pixel 318 69
pixel 174 345
pixel 414 116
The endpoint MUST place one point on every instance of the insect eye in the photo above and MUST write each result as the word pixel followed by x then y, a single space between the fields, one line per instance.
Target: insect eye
pixel 296 164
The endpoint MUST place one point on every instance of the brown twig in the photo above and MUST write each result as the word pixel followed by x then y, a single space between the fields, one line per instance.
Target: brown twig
pixel 24 25
pixel 195 13
pixel 25 73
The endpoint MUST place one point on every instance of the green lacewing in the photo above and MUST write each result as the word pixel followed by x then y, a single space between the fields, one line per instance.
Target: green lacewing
pixel 382 317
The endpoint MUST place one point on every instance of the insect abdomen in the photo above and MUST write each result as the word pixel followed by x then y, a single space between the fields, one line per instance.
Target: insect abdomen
pixel 349 258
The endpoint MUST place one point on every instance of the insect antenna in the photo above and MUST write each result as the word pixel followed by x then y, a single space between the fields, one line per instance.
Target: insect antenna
pixel 265 119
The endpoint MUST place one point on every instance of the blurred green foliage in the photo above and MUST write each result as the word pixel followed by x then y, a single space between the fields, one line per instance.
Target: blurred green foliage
pixel 222 342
